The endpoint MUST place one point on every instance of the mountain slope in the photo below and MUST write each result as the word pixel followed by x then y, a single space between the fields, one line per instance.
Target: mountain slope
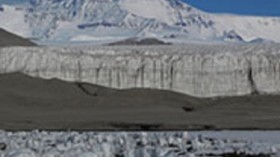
pixel 8 39
pixel 99 21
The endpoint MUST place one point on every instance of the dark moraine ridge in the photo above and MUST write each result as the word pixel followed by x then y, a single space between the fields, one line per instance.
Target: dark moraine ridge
pixel 31 103
pixel 9 39
pixel 136 41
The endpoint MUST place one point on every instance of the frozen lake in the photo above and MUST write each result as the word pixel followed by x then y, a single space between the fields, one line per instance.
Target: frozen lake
pixel 138 144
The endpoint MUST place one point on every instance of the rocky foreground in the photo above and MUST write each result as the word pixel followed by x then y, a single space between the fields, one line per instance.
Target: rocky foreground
pixel 139 144
pixel 197 70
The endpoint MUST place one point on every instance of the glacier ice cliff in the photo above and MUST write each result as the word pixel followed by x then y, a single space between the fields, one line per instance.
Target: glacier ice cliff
pixel 197 70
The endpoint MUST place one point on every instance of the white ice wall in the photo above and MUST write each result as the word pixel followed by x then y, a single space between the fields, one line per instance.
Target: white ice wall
pixel 198 70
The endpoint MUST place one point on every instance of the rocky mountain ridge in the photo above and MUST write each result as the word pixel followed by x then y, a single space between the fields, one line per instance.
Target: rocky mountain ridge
pixel 8 39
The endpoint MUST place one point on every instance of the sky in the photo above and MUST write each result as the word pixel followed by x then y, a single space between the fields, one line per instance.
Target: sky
pixel 243 7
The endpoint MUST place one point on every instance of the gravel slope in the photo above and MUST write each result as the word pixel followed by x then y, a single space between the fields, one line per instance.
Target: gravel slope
pixel 9 39
pixel 30 103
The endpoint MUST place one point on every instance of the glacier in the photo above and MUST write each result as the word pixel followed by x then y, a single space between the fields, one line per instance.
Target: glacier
pixel 57 22
pixel 194 69
pixel 137 144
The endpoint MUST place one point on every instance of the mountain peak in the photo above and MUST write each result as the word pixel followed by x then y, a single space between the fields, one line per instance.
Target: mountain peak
pixel 99 21
pixel 163 10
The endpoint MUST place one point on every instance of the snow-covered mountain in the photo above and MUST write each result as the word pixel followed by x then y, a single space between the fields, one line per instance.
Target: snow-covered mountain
pixel 99 21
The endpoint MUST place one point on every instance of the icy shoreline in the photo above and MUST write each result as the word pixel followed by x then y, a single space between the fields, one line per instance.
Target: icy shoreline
pixel 137 144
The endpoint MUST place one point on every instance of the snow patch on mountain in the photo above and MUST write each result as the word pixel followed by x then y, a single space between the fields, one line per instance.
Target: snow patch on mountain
pixel 248 27
pixel 153 9
pixel 13 20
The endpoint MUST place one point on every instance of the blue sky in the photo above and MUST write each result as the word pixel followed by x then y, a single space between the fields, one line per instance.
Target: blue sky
pixel 247 7
pixel 244 7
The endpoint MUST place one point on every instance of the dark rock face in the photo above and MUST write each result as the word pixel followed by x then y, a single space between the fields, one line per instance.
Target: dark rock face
pixel 243 155
pixel 148 41
pixel 232 36
pixel 9 39
pixel 3 146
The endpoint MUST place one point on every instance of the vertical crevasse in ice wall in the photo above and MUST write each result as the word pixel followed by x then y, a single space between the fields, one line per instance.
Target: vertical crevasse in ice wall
pixel 203 71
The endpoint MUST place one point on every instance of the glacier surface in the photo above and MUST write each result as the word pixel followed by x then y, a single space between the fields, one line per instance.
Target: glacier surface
pixel 137 144
pixel 197 70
